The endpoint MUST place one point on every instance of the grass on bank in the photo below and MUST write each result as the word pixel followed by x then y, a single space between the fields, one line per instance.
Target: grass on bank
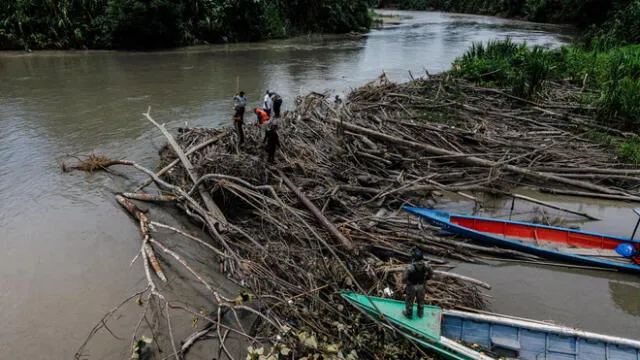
pixel 611 74
pixel 378 20
pixel 614 74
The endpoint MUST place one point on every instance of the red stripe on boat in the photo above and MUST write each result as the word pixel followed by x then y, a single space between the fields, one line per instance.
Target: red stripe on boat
pixel 537 233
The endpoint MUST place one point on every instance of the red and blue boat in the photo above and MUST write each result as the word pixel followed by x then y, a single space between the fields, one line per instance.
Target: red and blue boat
pixel 563 244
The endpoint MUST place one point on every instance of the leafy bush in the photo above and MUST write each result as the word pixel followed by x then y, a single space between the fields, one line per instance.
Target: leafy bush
pixel 614 74
pixel 622 28
pixel 629 151
pixel 579 12
pixel 146 23
pixel 505 63
pixel 167 23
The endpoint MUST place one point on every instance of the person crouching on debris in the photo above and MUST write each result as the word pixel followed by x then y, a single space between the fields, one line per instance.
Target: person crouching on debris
pixel 415 277
pixel 262 116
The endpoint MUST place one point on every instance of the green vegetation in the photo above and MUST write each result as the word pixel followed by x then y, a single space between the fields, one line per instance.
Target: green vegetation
pixel 27 24
pixel 504 62
pixel 606 67
pixel 579 12
pixel 614 74
pixel 627 150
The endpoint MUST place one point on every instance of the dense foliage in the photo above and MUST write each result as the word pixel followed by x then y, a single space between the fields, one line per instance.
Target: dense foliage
pixel 615 73
pixel 579 12
pixel 36 24
pixel 610 77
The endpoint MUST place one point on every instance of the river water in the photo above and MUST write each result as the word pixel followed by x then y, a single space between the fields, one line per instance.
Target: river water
pixel 67 246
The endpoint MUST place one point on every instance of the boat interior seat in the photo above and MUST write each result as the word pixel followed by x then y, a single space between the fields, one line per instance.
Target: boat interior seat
pixel 505 346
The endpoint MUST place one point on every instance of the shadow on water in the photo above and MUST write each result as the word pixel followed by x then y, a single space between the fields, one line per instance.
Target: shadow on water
pixel 626 297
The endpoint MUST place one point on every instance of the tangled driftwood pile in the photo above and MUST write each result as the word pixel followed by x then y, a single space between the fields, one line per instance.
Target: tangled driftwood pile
pixel 327 215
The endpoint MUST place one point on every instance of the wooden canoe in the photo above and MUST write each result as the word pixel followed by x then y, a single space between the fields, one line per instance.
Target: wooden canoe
pixel 469 335
pixel 424 331
pixel 569 245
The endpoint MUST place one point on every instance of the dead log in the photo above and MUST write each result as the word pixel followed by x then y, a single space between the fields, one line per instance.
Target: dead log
pixel 588 170
pixel 213 209
pixel 403 267
pixel 586 194
pixel 176 161
pixel 316 212
pixel 472 160
pixel 150 197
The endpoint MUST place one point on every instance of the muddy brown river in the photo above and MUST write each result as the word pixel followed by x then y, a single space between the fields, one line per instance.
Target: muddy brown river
pixel 67 246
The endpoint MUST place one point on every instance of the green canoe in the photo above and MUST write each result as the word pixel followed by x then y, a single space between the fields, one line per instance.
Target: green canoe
pixel 424 331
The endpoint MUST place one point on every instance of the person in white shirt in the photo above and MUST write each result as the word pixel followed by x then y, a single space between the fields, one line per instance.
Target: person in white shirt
pixel 268 103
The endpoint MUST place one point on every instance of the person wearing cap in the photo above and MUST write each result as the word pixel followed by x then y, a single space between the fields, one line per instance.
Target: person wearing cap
pixel 415 277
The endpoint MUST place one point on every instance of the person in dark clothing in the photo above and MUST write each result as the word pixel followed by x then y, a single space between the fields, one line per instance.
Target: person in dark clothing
pixel 415 277
pixel 277 103
pixel 272 142
pixel 239 103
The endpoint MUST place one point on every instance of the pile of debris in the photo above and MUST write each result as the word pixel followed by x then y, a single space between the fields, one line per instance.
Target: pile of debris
pixel 327 215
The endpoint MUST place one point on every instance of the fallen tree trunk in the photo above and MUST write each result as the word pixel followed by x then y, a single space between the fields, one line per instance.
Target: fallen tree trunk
pixel 212 208
pixel 472 160
pixel 588 170
pixel 586 194
pixel 316 212
pixel 176 161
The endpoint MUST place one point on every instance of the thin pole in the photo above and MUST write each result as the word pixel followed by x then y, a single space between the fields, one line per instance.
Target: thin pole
pixel 634 230
pixel 513 203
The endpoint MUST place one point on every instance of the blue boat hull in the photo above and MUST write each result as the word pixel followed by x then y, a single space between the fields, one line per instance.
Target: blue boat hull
pixel 441 219
pixel 529 340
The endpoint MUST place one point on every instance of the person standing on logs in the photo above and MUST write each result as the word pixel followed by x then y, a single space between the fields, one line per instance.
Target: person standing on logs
pixel 271 140
pixel 415 277
pixel 268 103
pixel 277 103
pixel 239 103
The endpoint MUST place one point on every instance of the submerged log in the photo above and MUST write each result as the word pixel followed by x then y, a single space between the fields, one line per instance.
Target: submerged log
pixel 586 194
pixel 540 202
pixel 150 197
